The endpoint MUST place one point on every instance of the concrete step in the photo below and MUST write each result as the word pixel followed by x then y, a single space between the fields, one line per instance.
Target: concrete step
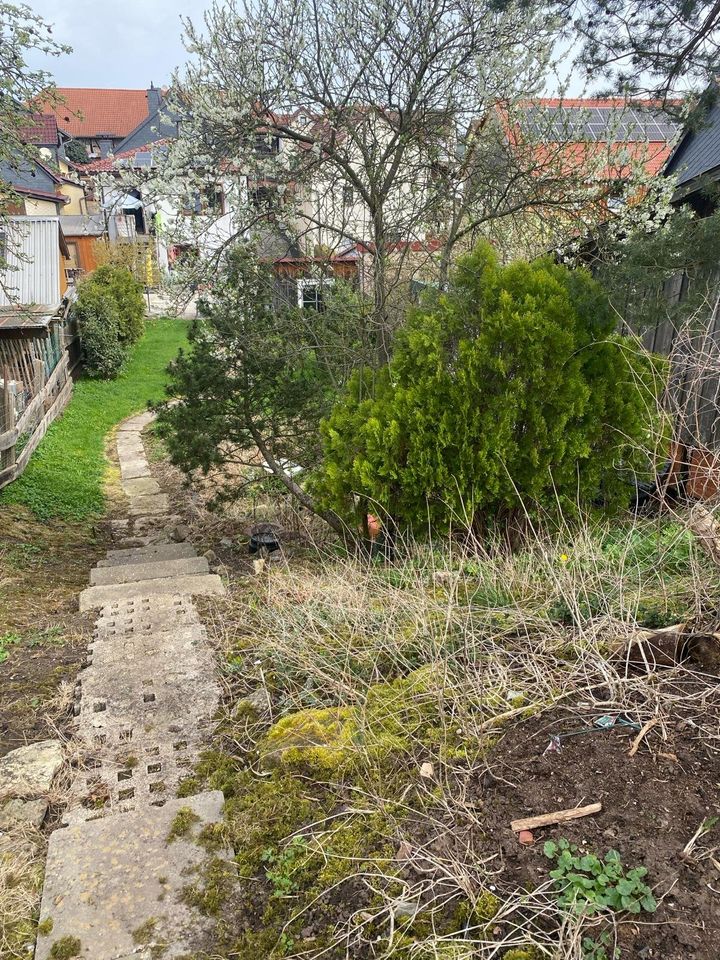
pixel 153 570
pixel 163 551
pixel 109 879
pixel 195 586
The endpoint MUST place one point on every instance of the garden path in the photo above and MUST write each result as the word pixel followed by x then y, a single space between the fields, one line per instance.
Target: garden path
pixel 144 706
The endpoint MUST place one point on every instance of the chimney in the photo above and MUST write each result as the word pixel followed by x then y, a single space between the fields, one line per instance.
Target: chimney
pixel 154 98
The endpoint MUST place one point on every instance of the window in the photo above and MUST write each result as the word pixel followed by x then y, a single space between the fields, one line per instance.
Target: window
pixel 265 144
pixel 348 196
pixel 310 294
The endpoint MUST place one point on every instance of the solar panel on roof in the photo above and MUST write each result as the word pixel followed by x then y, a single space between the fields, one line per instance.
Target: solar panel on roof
pixel 143 158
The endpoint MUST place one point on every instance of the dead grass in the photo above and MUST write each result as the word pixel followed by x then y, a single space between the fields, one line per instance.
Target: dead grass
pixel 22 855
pixel 430 659
pixel 43 566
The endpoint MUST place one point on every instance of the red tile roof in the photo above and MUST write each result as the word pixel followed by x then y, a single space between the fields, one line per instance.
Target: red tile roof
pixel 41 129
pixel 115 112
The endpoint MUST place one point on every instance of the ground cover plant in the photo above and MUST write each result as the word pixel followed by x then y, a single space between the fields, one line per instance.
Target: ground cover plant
pixel 373 708
pixel 65 475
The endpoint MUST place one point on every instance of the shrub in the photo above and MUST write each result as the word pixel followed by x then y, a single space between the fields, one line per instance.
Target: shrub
pixel 508 393
pixel 134 255
pixel 127 292
pixel 99 323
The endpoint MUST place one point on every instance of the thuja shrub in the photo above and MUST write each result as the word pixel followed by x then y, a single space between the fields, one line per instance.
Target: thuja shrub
pixel 127 292
pixel 507 396
pixel 103 350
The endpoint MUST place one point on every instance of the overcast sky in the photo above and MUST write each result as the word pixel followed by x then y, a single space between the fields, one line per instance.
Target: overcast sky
pixel 124 43
pixel 116 43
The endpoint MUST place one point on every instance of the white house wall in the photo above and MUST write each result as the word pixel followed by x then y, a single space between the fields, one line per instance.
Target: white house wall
pixel 33 248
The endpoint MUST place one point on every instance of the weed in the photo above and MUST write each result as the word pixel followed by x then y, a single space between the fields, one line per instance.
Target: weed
pixel 280 866
pixel 598 949
pixel 6 641
pixel 145 932
pixel 45 926
pixel 586 884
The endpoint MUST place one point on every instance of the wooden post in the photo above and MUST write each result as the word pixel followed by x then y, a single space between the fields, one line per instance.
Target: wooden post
pixel 7 417
pixel 39 378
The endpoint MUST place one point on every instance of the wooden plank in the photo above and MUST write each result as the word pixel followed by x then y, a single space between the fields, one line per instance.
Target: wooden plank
pixel 557 816
pixel 8 439
pixel 38 400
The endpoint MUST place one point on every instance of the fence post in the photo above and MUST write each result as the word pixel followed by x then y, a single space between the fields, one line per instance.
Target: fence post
pixel 7 410
pixel 39 378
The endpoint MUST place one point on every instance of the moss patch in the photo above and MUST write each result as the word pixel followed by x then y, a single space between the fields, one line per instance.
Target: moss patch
pixel 65 948
pixel 182 824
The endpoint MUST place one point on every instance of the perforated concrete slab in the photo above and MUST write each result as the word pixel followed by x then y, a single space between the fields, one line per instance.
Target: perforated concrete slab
pixel 145 614
pixel 151 570
pixel 161 551
pixel 153 504
pixel 107 879
pixel 142 644
pixel 197 586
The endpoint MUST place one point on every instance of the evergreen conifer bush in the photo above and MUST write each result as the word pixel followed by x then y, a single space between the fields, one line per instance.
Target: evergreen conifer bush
pixel 99 324
pixel 127 292
pixel 508 394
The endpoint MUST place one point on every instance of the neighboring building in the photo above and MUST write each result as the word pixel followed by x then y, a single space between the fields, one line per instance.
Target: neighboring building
pixel 36 187
pixel 695 162
pixel 35 251
pixel 101 119
pixel 42 132
pixel 202 221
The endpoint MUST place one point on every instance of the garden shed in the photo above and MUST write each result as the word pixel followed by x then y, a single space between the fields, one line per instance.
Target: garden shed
pixel 38 351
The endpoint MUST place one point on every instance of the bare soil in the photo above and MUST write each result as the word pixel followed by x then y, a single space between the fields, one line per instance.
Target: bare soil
pixel 652 802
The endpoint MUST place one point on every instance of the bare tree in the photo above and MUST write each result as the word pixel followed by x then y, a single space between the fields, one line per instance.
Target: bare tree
pixel 21 31
pixel 390 128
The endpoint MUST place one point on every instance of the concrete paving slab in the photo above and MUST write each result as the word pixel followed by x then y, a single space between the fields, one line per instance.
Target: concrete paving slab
pixel 138 422
pixel 140 486
pixel 161 551
pixel 145 614
pixel 137 467
pixel 151 570
pixel 130 449
pixel 138 645
pixel 197 586
pixel 146 506
pixel 107 879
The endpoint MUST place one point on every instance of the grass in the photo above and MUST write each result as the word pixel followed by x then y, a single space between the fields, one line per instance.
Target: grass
pixel 65 475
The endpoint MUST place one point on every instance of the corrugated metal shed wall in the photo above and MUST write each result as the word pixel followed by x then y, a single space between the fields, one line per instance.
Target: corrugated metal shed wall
pixel 33 247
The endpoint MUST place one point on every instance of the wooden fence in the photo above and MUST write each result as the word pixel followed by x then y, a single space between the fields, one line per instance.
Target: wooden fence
pixel 693 394
pixel 35 387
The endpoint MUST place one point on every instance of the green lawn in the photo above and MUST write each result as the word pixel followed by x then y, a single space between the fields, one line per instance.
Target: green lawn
pixel 65 474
